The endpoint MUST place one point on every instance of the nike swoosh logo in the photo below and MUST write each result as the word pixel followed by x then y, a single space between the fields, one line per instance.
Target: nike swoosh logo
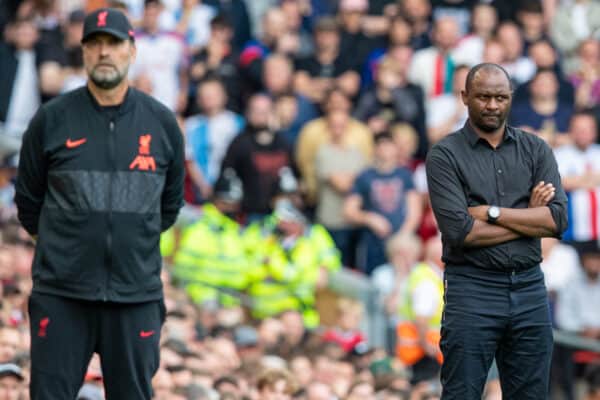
pixel 145 334
pixel 75 143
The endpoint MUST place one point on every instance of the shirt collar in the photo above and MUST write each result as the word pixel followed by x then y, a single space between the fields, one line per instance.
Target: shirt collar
pixel 473 137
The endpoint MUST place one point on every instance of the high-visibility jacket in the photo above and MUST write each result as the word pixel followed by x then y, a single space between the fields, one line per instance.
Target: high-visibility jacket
pixel 167 243
pixel 285 272
pixel 408 348
pixel 211 258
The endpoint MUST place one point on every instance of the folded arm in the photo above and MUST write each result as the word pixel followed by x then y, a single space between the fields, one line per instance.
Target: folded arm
pixel 449 204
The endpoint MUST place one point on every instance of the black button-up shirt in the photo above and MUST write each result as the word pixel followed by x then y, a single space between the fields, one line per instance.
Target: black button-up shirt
pixel 464 170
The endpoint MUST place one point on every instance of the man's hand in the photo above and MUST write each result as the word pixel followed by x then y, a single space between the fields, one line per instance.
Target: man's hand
pixel 479 212
pixel 541 194
pixel 379 225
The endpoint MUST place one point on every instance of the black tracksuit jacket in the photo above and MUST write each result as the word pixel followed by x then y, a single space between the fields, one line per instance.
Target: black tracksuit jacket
pixel 98 188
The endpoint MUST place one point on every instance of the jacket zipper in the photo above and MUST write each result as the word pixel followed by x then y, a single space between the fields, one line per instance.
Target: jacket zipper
pixel 111 154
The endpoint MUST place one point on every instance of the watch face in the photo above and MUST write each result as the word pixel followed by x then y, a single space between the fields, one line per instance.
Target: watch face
pixel 494 212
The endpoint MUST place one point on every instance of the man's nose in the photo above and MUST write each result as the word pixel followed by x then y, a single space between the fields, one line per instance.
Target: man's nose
pixel 492 104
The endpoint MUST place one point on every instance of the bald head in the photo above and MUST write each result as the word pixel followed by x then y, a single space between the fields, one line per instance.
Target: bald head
pixel 487 68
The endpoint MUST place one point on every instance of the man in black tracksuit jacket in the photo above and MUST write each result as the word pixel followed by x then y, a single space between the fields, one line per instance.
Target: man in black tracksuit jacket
pixel 100 176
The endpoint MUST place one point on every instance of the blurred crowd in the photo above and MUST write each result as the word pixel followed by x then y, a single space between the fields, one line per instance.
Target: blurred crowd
pixel 306 125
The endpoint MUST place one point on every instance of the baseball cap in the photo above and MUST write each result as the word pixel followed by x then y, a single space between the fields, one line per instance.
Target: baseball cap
pixel 107 20
pixel 10 369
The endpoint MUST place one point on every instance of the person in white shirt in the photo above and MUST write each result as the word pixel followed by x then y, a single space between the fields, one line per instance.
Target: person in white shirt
pixel 579 167
pixel 560 265
pixel 161 60
pixel 432 68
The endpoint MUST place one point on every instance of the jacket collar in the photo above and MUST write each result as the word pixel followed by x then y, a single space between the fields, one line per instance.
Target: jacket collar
pixel 124 107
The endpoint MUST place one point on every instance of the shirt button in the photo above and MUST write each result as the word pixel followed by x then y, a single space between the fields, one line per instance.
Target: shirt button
pixel 499 171
pixel 501 193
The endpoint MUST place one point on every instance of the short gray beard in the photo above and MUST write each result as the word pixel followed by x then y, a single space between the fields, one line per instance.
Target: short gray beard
pixel 110 80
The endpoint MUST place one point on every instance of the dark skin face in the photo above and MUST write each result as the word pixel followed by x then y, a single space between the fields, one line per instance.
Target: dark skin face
pixel 488 99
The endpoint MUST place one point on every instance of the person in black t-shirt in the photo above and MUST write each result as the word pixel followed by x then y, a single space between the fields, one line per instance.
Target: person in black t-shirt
pixel 328 67
pixel 256 156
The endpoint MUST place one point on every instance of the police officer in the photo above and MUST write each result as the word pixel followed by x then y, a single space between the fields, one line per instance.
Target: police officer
pixel 290 257
pixel 100 176
pixel 211 258
pixel 495 190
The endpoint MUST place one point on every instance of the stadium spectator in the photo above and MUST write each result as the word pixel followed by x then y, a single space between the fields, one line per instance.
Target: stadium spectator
pixel 11 382
pixel 432 68
pixel 484 20
pixel 337 163
pixel 544 56
pixel 275 385
pixel 579 166
pixel 573 23
pixel 420 314
pixel 560 265
pixel 19 90
pixel 403 251
pixel 447 113
pixel 253 54
pixel 256 156
pixel 383 201
pixel 236 12
pixel 393 99
pixel 208 135
pixel 277 82
pixel 530 16
pixel 543 110
pixel 352 15
pixel 161 60
pixel 346 332
pixel 519 67
pixel 400 35
pixel 586 76
pixel 418 13
pixel 493 52
pixel 218 59
pixel 10 343
pixel 407 142
pixel 317 132
pixel 328 67
pixel 7 188
pixel 300 37
pixel 193 23
pixel 61 66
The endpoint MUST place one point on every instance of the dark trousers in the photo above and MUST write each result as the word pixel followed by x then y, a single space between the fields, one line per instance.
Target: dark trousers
pixel 345 241
pixel 66 332
pixel 498 314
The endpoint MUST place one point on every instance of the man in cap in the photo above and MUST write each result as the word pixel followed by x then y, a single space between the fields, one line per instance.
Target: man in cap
pixel 11 382
pixel 100 176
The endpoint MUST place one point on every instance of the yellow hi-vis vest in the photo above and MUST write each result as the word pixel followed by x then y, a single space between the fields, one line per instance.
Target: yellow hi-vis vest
pixel 408 348
pixel 285 279
pixel 422 272
pixel 211 258
pixel 167 243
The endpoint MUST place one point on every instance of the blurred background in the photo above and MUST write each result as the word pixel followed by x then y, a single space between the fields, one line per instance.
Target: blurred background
pixel 306 263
